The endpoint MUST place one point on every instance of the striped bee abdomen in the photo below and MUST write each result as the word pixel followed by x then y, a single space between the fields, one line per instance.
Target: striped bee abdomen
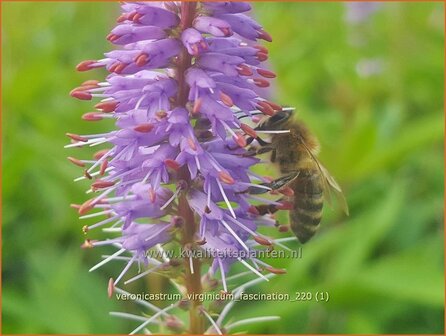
pixel 308 202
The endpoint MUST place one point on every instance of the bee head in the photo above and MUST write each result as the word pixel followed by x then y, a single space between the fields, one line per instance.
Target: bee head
pixel 277 121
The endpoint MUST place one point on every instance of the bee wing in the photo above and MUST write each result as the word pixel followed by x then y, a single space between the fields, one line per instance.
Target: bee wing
pixel 330 184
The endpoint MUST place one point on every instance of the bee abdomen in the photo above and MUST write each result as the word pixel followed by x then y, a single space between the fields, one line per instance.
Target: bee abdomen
pixel 308 203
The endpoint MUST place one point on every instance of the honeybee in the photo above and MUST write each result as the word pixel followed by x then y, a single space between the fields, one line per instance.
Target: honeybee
pixel 295 152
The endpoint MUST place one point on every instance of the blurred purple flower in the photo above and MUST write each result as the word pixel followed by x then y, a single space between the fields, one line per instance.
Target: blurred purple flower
pixel 359 11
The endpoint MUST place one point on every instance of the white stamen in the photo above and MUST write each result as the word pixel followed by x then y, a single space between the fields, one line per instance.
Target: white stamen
pixel 281 245
pixel 222 273
pixel 226 198
pixel 117 258
pixel 96 214
pixel 272 132
pixel 157 233
pixel 252 320
pixel 107 242
pixel 77 179
pixel 105 193
pixel 126 268
pixel 84 143
pixel 128 316
pixel 256 185
pixel 191 265
pixel 208 202
pixel 170 200
pixel 236 276
pixel 103 262
pixel 117 223
pixel 138 103
pixel 241 225
pixel 217 329
pixel 101 142
pixel 197 162
pixel 229 129
pixel 214 163
pixel 153 269
pixel 142 326
pixel 284 240
pixel 263 200
pixel 226 225
pixel 98 162
pixel 252 269
pixel 105 221
pixel 141 302
pixel 163 253
pixel 112 229
pixel 121 198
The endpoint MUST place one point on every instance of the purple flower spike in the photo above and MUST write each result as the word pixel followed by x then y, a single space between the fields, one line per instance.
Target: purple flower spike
pixel 175 169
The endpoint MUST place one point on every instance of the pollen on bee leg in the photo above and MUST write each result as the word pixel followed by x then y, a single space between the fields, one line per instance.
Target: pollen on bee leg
pixel 85 229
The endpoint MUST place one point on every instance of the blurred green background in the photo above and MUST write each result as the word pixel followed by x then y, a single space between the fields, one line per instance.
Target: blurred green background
pixel 371 89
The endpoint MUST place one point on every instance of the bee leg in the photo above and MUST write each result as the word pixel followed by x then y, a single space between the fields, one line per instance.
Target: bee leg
pixel 282 181
pixel 252 151
pixel 259 140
